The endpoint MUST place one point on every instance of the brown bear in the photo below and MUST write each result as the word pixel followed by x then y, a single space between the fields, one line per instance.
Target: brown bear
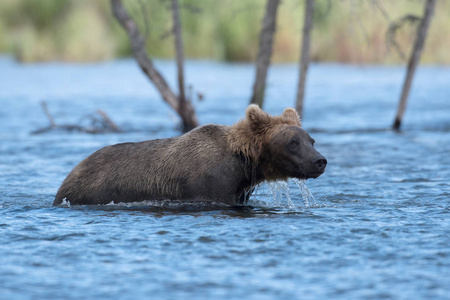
pixel 212 163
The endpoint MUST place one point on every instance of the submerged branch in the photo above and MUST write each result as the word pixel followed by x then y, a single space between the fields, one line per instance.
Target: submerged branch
pixel 47 113
pixel 104 124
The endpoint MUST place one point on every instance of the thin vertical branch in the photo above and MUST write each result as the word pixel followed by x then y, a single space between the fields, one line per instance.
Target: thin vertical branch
pixel 265 51
pixel 413 61
pixel 47 113
pixel 304 58
pixel 108 122
pixel 179 51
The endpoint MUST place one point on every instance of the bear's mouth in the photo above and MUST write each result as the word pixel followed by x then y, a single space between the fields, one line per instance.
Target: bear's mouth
pixel 315 174
pixel 309 175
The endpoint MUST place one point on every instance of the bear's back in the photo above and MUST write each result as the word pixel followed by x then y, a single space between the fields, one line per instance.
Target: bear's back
pixel 149 170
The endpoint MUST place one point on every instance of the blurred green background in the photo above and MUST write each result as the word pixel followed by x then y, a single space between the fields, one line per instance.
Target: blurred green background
pixel 350 31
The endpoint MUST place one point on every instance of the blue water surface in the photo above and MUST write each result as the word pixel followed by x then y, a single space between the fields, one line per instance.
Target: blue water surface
pixel 380 229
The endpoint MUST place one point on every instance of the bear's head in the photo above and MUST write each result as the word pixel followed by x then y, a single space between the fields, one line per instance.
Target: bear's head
pixel 277 145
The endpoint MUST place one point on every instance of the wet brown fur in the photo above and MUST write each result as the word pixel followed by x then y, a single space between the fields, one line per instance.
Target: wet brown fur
pixel 250 134
pixel 210 163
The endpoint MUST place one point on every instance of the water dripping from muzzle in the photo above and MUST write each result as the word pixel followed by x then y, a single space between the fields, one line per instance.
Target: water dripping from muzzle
pixel 277 189
pixel 308 198
pixel 277 194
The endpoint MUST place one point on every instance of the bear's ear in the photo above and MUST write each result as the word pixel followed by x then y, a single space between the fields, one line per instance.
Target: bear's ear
pixel 292 115
pixel 257 118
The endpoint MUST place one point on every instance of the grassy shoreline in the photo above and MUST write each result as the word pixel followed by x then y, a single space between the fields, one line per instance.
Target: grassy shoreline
pixel 344 31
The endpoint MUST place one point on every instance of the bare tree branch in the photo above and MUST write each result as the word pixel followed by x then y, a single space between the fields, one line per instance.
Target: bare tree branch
pixel 378 5
pixel 47 113
pixel 265 51
pixel 395 26
pixel 179 52
pixel 304 59
pixel 414 61
pixel 105 124
pixel 185 111
pixel 107 121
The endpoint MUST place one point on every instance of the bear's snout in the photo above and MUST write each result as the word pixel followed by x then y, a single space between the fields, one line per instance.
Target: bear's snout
pixel 320 163
pixel 318 166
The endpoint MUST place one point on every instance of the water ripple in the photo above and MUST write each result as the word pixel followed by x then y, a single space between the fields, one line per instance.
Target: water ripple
pixel 374 225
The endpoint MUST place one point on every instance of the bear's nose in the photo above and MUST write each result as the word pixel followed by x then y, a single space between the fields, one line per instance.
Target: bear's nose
pixel 320 163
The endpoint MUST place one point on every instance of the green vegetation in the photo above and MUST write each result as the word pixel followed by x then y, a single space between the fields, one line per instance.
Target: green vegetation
pixel 345 31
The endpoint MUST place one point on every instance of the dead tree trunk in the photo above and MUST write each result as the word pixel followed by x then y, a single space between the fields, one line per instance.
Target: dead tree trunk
pixel 179 53
pixel 304 58
pixel 265 51
pixel 413 61
pixel 185 111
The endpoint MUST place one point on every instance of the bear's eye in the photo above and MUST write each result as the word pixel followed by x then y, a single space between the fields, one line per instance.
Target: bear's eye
pixel 293 142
